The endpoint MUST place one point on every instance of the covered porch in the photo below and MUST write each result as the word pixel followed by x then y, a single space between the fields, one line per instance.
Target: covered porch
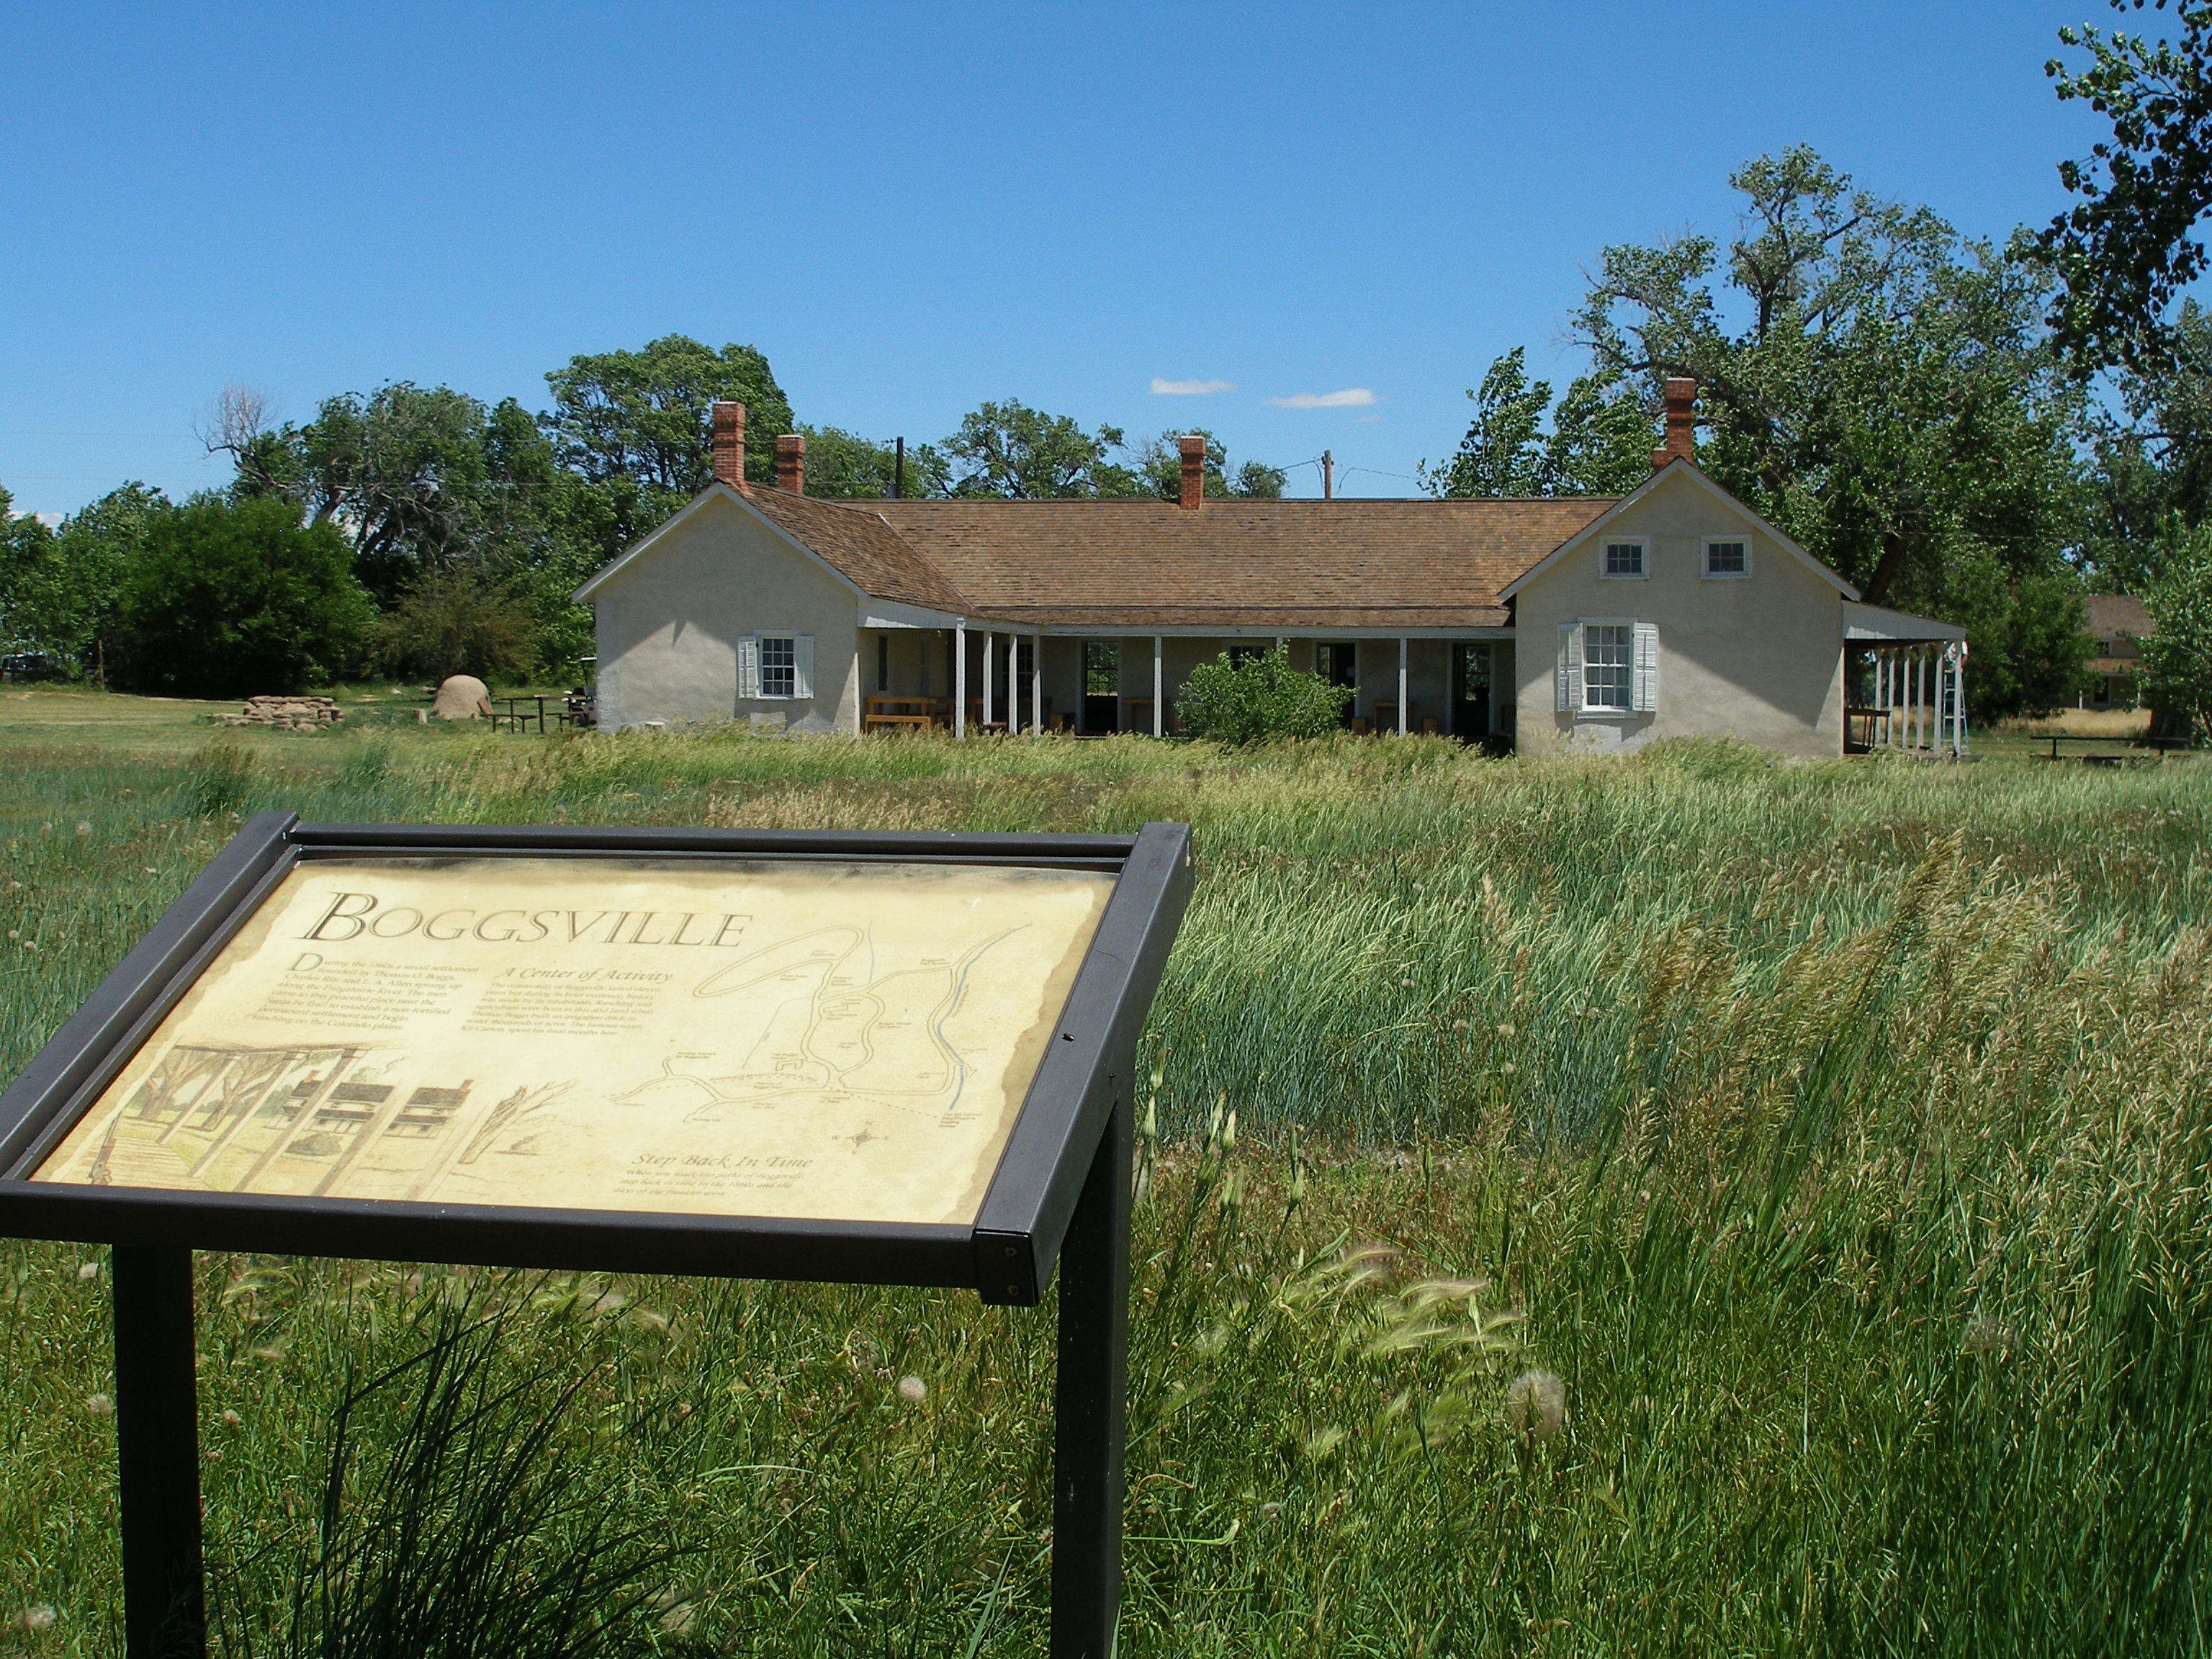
pixel 984 675
pixel 1905 678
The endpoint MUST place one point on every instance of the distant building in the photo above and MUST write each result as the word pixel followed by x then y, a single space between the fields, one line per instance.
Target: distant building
pixel 1548 625
pixel 2116 621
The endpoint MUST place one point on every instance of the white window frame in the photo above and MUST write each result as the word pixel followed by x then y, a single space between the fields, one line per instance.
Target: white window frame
pixel 1627 705
pixel 1573 697
pixel 1705 546
pixel 1642 571
pixel 750 686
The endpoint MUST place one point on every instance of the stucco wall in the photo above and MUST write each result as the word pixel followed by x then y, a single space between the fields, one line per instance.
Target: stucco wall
pixel 668 624
pixel 1759 658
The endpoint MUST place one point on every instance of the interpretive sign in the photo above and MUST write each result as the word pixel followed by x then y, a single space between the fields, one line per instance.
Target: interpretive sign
pixel 844 1040
pixel 881 1059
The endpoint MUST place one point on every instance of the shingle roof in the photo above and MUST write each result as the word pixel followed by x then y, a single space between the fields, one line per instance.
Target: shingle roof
pixel 1236 563
pixel 859 543
pixel 2114 615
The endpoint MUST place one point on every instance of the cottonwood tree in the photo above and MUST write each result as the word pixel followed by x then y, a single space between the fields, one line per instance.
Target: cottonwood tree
pixel 642 416
pixel 2125 250
pixel 1158 463
pixel 1015 453
pixel 1593 443
pixel 1882 389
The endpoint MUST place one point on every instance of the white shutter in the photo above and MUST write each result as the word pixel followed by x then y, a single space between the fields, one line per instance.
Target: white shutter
pixel 1645 695
pixel 1567 689
pixel 802 659
pixel 748 666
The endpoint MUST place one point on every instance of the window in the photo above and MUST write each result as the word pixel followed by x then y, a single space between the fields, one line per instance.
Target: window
pixel 1102 668
pixel 1605 648
pixel 1336 661
pixel 1607 667
pixel 1726 556
pixel 1240 654
pixel 1624 559
pixel 778 665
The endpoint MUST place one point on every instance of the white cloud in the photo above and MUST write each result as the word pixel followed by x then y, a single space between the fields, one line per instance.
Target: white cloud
pixel 1188 388
pixel 1352 397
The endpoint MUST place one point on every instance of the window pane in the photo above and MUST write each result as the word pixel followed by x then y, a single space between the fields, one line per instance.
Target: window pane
pixel 779 666
pixel 1604 666
pixel 1624 559
pixel 1725 558
pixel 1102 667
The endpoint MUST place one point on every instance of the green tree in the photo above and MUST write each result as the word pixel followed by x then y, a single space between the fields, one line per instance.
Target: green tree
pixel 2177 658
pixel 1020 453
pixel 1598 444
pixel 1158 463
pixel 235 599
pixel 642 415
pixel 2124 251
pixel 1260 697
pixel 2151 456
pixel 842 464
pixel 60 589
pixel 1877 386
pixel 458 621
pixel 26 559
pixel 426 479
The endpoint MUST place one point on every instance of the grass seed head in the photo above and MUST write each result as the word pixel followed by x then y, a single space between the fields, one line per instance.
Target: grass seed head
pixel 913 1390
pixel 1535 1405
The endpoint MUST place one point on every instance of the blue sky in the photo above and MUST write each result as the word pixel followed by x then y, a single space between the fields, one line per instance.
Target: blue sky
pixel 911 208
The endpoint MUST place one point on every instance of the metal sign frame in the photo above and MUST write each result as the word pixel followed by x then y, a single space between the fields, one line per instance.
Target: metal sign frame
pixel 1059 1194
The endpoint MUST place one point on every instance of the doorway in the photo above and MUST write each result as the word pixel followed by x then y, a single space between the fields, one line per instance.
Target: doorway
pixel 1470 692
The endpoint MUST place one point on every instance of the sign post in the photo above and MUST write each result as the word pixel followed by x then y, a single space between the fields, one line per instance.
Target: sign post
pixel 895 1059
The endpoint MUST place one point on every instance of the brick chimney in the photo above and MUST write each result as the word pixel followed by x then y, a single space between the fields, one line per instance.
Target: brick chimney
pixel 791 462
pixel 1681 439
pixel 727 422
pixel 1193 451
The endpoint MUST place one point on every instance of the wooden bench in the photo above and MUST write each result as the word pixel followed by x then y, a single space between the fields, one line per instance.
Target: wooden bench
pixel 892 713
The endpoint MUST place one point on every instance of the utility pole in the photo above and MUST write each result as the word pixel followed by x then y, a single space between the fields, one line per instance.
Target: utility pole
pixel 898 473
pixel 1327 476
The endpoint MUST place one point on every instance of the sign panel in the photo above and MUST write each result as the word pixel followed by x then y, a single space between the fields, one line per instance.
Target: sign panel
pixel 840 1041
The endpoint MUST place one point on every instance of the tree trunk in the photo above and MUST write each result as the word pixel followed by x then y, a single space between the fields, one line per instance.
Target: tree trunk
pixel 1886 568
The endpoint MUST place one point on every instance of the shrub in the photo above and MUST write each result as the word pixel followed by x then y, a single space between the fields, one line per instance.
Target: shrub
pixel 1262 696
pixel 456 621
pixel 237 600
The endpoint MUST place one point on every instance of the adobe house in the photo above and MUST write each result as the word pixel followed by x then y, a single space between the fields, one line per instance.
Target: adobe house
pixel 1541 625
pixel 2116 622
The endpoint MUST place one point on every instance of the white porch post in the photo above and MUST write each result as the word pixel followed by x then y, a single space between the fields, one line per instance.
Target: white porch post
pixel 1159 693
pixel 1960 692
pixel 987 637
pixel 960 682
pixel 1402 683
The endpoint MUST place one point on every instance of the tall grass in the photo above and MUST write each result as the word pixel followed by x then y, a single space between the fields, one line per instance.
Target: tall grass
pixel 1835 1136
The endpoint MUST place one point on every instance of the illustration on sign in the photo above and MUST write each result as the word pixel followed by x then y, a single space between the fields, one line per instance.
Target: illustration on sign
pixel 840 1041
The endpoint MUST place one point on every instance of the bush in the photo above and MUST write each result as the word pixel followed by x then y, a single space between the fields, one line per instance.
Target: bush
pixel 2177 658
pixel 1262 696
pixel 455 622
pixel 240 599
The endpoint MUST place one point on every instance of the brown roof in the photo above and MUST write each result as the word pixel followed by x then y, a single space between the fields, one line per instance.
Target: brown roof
pixel 1238 563
pixel 861 544
pixel 2118 616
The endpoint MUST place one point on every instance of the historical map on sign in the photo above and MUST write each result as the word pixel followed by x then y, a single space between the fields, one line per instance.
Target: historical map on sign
pixel 844 1041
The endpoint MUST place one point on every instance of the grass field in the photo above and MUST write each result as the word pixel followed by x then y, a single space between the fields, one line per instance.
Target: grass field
pixel 1835 1135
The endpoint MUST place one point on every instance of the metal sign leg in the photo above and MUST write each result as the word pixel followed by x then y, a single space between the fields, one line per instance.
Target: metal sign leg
pixel 158 1453
pixel 1089 1404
